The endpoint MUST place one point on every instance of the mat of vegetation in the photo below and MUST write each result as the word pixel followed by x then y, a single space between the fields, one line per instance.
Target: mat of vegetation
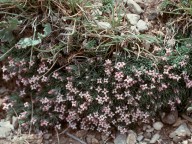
pixel 79 63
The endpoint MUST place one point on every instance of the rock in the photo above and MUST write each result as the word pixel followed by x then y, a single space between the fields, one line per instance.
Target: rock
pixel 133 18
pixel 140 137
pixel 145 127
pixel 98 136
pixel 5 129
pixel 147 135
pixel 47 136
pixel 138 1
pixel 177 139
pixel 32 139
pixel 150 130
pixel 146 140
pixel 94 141
pixel 134 29
pixel 179 122
pixel 152 15
pixel 154 138
pixel 169 118
pixel 131 139
pixel 104 25
pixel 104 137
pixel 181 131
pixel 15 122
pixel 185 142
pixel 89 138
pixel 135 8
pixel 81 133
pixel 72 141
pixel 190 140
pixel 3 90
pixel 142 142
pixel 120 139
pixel 1 102
pixel 142 26
pixel 158 126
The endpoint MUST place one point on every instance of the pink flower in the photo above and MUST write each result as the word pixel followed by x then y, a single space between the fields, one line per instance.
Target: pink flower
pixel 107 62
pixel 26 104
pixel 44 123
pixel 4 69
pixel 31 63
pixel 55 75
pixel 42 68
pixel 11 63
pixel 98 89
pixel 44 79
pixel 7 106
pixel 119 76
pixel 22 93
pixel 105 80
pixel 119 65
pixel 99 80
pixel 6 77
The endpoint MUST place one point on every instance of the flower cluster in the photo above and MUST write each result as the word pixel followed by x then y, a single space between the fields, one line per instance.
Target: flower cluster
pixel 115 94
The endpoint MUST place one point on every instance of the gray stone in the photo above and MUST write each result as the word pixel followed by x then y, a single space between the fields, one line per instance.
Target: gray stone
pixel 146 140
pixel 94 141
pixel 104 25
pixel 133 18
pixel 152 16
pixel 1 102
pixel 3 90
pixel 104 137
pixel 142 26
pixel 131 139
pixel 185 142
pixel 120 139
pixel 158 126
pixel 150 130
pixel 140 137
pixel 155 138
pixel 15 122
pixel 147 135
pixel 169 118
pixel 89 138
pixel 177 139
pixel 148 126
pixel 81 133
pixel 135 8
pixel 144 128
pixel 134 29
pixel 5 129
pixel 142 142
pixel 181 131
pixel 47 136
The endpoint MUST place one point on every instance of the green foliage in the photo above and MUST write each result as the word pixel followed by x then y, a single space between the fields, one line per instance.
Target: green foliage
pixel 27 42
pixel 7 27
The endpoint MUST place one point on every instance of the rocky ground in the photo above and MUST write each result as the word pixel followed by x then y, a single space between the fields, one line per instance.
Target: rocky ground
pixel 171 128
pixel 159 132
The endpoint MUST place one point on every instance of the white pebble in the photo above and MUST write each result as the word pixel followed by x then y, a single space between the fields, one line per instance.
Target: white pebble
pixel 158 126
